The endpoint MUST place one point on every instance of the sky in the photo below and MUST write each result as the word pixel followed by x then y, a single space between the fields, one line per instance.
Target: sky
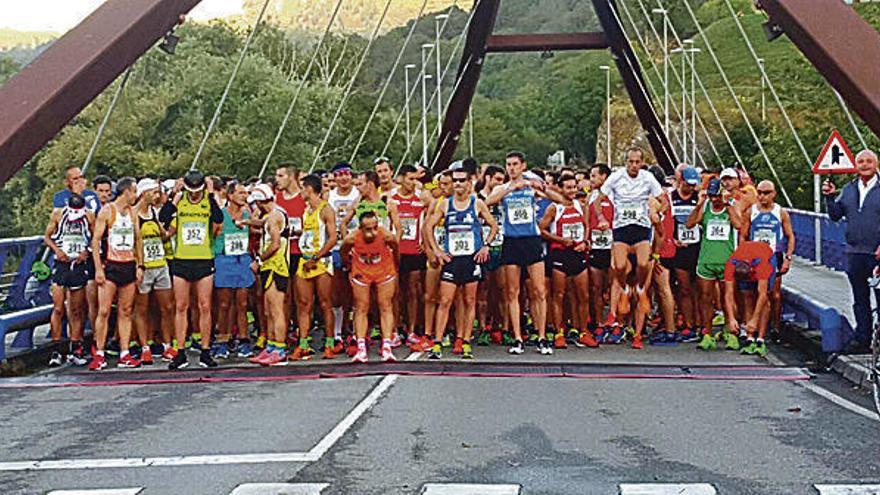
pixel 61 15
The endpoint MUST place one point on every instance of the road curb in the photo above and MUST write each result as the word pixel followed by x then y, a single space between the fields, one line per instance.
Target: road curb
pixel 852 368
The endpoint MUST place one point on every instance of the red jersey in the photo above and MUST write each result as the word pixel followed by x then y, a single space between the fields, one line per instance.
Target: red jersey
pixel 667 223
pixel 602 239
pixel 409 210
pixel 295 208
pixel 568 224
pixel 373 261
pixel 759 255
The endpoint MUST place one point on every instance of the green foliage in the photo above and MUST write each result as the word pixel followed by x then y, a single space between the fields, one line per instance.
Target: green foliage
pixel 11 38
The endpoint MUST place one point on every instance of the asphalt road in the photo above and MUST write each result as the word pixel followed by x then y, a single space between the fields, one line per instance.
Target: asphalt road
pixel 433 434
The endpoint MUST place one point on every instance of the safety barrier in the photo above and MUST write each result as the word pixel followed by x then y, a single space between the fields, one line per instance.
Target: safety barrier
pixel 833 241
pixel 26 301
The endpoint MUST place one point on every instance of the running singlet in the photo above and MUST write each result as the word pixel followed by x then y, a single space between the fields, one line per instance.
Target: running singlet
pixel 342 205
pixel 409 209
pixel 295 208
pixel 681 210
pixel 568 224
pixel 498 213
pixel 277 263
pixel 630 196
pixel 667 223
pixel 520 209
pixel 193 237
pixel 314 234
pixel 601 240
pixel 232 241
pixel 464 234
pixel 377 207
pixel 151 237
pixel 720 239
pixel 72 236
pixel 767 227
pixel 372 259
pixel 440 228
pixel 120 237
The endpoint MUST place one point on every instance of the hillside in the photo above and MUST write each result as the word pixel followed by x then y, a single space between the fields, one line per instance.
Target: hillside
pixel 11 38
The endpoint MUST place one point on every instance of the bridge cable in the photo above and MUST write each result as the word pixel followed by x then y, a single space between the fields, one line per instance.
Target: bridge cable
pixel 299 89
pixel 346 38
pixel 350 85
pixel 849 117
pixel 106 119
pixel 219 109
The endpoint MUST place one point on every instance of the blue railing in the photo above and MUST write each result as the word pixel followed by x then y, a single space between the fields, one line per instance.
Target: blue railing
pixel 833 241
pixel 26 302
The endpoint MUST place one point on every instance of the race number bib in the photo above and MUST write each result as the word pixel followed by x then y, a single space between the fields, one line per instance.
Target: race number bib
pixel 73 245
pixel 601 239
pixel 520 211
pixel 410 229
pixel 688 236
pixel 497 241
pixel 296 226
pixel 306 242
pixel 573 231
pixel 718 230
pixel 121 238
pixel 461 243
pixel 440 236
pixel 235 243
pixel 154 250
pixel 767 236
pixel 630 212
pixel 194 233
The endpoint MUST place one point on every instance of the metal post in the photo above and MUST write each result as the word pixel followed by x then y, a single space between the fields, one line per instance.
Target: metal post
pixel 437 20
pixel 684 126
pixel 763 96
pixel 406 69
pixel 425 77
pixel 665 15
pixel 693 52
pixel 607 71
pixel 817 208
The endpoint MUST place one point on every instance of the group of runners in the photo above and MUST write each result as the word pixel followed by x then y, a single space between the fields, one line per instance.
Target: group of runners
pixel 474 255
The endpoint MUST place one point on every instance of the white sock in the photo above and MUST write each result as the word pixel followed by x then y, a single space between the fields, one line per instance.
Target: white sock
pixel 337 322
pixel 122 354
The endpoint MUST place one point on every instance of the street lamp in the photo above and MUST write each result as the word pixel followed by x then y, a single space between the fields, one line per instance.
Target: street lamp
pixel 665 14
pixel 684 118
pixel 437 20
pixel 425 77
pixel 607 71
pixel 406 69
pixel 763 99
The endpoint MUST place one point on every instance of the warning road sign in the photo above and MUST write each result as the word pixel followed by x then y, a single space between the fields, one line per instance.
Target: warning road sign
pixel 836 158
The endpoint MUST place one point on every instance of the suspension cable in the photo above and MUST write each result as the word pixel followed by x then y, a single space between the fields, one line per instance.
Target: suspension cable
pixel 849 117
pixel 219 109
pixel 106 119
pixel 345 41
pixel 391 73
pixel 350 85
pixel 299 89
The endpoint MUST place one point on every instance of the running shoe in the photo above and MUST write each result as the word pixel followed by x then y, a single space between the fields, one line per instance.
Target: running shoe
pixel 615 336
pixel 661 337
pixel 156 348
pixel 708 343
pixel 205 359
pixel 112 348
pixel 301 354
pixel 436 352
pixel 507 339
pixel 98 363
pixel 77 357
pixel 179 361
pixel 128 361
pixel 749 348
pixel 484 339
pixel 559 342
pixel 169 354
pixel 718 320
pixel 56 359
pixel 761 349
pixel 387 354
pixel 146 356
pixel 731 342
pixel 413 339
pixel 687 335
pixel 328 349
pixel 456 348
pixel 262 355
pixel 135 350
pixel 517 347
pixel 261 343
pixel 599 335
pixel 245 349
pixel 467 352
pixel 544 347
pixel 587 340
pixel 360 355
pixel 637 341
pixel 220 350
pixel 338 346
pixel 446 341
pixel 573 336
pixel 497 337
pixel 396 341
pixel 275 358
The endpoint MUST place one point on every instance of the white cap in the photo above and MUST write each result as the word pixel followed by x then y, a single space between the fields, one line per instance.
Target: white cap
pixel 261 192
pixel 168 185
pixel 729 172
pixel 146 184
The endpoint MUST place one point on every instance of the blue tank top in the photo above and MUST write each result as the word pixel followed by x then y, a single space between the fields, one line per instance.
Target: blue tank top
pixel 232 241
pixel 464 233
pixel 767 227
pixel 520 213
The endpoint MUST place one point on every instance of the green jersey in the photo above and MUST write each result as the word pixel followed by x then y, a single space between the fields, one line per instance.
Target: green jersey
pixel 719 239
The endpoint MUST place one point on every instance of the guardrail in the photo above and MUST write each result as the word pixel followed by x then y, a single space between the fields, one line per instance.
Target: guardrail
pixel 27 303
pixel 833 254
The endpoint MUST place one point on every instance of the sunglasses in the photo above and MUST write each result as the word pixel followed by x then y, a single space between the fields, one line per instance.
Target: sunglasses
pixel 459 180
pixel 762 193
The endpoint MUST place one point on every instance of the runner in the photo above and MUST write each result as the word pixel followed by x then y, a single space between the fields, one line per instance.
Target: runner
pixel 342 200
pixel 442 191
pixel 461 256
pixel 157 278
pixel 490 291
pixel 69 236
pixel 683 200
pixel 371 252
pixel 234 276
pixel 600 255
pixel 75 183
pixel 196 218
pixel 117 275
pixel 564 226
pixel 288 196
pixel 103 190
pixel 382 167
pixel 720 222
pixel 314 275
pixel 752 269
pixel 272 265
pixel 659 281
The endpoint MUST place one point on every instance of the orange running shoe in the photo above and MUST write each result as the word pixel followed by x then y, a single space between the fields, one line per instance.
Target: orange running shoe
pixel 169 354
pixel 458 346
pixel 338 347
pixel 328 353
pixel 300 354
pixel 637 341
pixel 587 339
pixel 559 341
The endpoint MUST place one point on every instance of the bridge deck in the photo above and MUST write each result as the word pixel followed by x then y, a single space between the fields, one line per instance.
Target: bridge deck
pixel 827 286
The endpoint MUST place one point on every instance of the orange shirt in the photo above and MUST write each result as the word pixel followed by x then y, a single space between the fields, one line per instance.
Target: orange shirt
pixel 373 259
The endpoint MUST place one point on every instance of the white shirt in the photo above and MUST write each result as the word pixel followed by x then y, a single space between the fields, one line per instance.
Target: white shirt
pixel 864 188
pixel 630 196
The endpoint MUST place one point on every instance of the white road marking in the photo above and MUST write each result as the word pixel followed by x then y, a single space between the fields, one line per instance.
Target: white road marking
pixel 465 489
pixel 103 491
pixel 667 489
pixel 840 401
pixel 314 454
pixel 848 489
pixel 279 489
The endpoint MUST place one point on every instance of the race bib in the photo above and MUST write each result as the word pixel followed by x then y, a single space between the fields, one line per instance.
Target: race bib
pixel 520 211
pixel 440 236
pixel 601 239
pixel 194 233
pixel 235 243
pixel 718 230
pixel 688 236
pixel 629 213
pixel 121 238
pixel 73 244
pixel 296 226
pixel 461 243
pixel 154 249
pixel 306 242
pixel 767 236
pixel 497 241
pixel 573 231
pixel 410 229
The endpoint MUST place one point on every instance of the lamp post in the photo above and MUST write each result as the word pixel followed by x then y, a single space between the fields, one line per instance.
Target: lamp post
pixel 763 96
pixel 406 69
pixel 607 71
pixel 425 77
pixel 437 20
pixel 665 14
pixel 684 118
pixel 693 52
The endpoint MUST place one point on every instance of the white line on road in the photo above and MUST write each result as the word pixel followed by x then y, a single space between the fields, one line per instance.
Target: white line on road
pixel 102 491
pixel 312 455
pixel 465 489
pixel 667 489
pixel 279 489
pixel 840 401
pixel 848 489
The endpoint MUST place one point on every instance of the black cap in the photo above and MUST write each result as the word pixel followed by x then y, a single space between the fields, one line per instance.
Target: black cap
pixel 194 181
pixel 75 201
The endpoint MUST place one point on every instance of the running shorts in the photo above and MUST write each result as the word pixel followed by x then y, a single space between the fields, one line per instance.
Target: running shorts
pixel 412 263
pixel 568 261
pixel 494 262
pixel 192 270
pixel 522 251
pixel 600 259
pixel 631 235
pixel 71 275
pixel 686 258
pixel 121 274
pixel 268 277
pixel 710 271
pixel 158 278
pixel 461 270
pixel 368 279
pixel 324 266
pixel 233 272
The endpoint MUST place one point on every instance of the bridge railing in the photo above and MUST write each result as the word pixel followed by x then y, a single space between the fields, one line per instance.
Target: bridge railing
pixel 26 302
pixel 833 253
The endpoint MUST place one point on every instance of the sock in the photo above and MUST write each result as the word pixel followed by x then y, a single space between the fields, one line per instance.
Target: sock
pixel 760 341
pixel 386 342
pixel 337 322
pixel 303 344
pixel 99 353
pixel 145 348
pixel 165 347
pixel 122 354
pixel 329 342
pixel 362 343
